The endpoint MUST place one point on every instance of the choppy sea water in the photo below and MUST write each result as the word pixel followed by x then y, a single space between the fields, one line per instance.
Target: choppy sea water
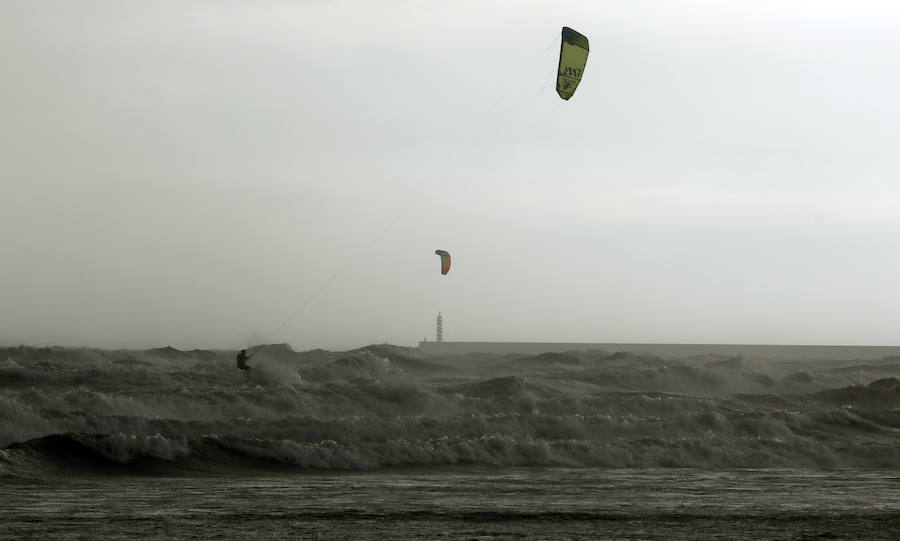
pixel 386 442
pixel 464 503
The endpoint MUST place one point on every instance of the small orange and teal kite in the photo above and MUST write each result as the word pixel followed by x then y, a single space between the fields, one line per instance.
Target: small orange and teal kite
pixel 445 260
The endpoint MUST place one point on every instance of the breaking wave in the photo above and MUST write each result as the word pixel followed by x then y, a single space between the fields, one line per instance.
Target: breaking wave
pixel 191 412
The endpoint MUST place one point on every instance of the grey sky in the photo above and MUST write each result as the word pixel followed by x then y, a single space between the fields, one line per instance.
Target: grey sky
pixel 190 173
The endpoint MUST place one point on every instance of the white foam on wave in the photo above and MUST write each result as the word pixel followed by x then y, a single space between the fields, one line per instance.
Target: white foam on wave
pixel 584 408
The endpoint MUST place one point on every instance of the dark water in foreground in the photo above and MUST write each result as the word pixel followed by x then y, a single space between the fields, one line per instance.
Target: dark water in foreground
pixel 463 503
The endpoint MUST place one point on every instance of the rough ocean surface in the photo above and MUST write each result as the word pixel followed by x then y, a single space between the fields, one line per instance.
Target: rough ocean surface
pixel 385 441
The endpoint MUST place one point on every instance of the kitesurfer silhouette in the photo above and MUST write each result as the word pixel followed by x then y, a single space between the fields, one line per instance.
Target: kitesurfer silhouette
pixel 242 358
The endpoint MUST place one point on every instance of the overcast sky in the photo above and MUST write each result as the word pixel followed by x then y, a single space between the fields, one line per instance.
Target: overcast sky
pixel 195 173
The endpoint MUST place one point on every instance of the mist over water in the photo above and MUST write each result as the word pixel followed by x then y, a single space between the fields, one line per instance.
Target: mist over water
pixel 188 412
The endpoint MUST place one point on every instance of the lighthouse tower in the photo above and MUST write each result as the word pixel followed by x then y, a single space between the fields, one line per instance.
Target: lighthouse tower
pixel 440 327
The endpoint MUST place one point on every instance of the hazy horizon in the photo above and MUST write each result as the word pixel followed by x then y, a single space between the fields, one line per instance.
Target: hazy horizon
pixel 193 173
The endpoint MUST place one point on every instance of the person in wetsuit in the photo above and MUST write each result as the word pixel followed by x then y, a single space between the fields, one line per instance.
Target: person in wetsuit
pixel 242 358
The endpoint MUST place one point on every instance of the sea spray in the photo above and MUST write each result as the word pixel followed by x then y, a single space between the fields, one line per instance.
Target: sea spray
pixel 385 406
